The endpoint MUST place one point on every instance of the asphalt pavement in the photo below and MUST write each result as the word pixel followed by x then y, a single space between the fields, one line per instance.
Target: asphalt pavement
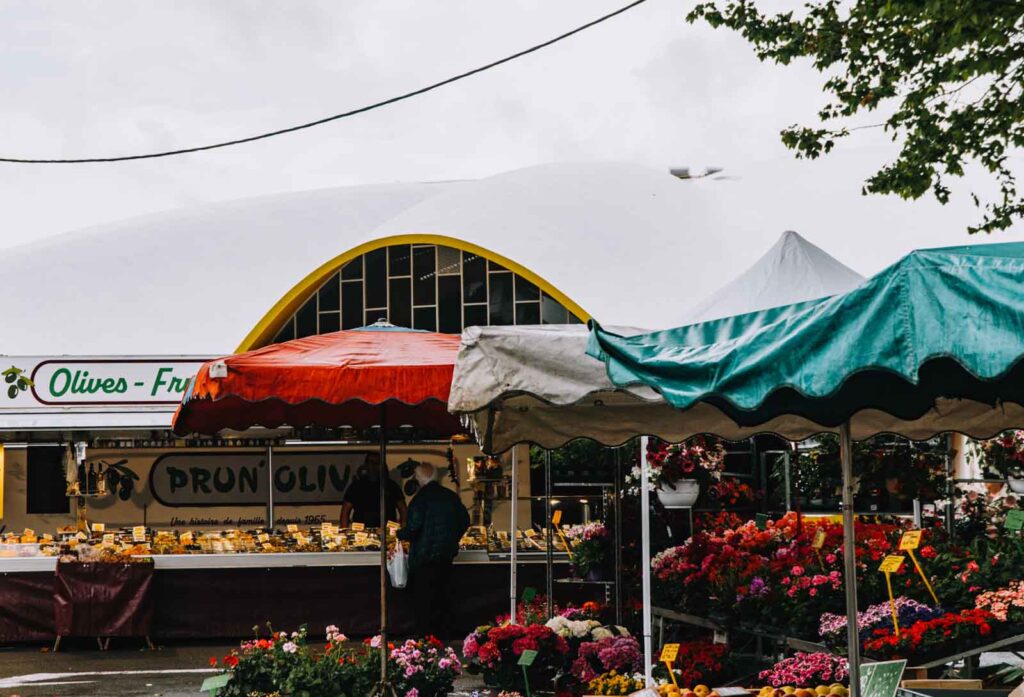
pixel 79 669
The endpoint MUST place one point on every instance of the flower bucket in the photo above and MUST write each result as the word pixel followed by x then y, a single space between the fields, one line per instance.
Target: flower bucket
pixel 1016 484
pixel 682 494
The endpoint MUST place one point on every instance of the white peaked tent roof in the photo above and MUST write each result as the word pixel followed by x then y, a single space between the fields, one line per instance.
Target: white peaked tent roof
pixel 791 271
pixel 536 384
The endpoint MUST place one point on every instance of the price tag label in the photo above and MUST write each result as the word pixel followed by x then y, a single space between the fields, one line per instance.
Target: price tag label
pixel 356 527
pixel 911 540
pixel 393 526
pixel 268 547
pixel 293 528
pixel 98 527
pixel 891 564
pixel 186 538
pixel 47 537
pixel 530 532
pixel 527 657
pixel 669 653
pixel 263 538
pixel 108 538
pixel 1014 520
pixel 556 517
pixel 139 533
pixel 81 536
pixel 761 521
pixel 28 532
pixel 720 638
pixel 819 539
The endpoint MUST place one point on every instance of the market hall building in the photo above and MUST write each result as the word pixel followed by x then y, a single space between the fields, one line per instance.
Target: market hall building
pixel 121 315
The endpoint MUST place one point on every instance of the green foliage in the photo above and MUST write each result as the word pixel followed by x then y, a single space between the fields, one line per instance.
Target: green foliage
pixel 949 74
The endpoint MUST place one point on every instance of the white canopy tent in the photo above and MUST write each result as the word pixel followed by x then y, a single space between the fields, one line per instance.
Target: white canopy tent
pixel 536 384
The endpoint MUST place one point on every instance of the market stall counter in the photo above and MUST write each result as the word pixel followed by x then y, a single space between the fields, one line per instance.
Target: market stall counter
pixel 225 594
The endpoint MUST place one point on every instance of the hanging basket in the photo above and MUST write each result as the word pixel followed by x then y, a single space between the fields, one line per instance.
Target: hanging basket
pixel 682 494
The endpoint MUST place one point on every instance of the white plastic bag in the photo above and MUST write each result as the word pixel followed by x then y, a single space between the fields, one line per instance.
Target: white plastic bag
pixel 398 567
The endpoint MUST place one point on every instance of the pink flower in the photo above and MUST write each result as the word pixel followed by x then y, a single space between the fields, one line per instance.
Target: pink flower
pixel 289 647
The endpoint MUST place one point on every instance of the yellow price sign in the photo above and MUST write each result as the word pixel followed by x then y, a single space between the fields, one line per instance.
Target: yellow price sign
pixel 668 657
pixel 186 538
pixel 819 539
pixel 139 533
pixel 556 517
pixel 891 564
pixel 356 527
pixel 292 528
pixel 98 527
pixel 911 540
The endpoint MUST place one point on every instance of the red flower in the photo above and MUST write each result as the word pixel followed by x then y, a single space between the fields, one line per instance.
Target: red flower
pixel 231 661
pixel 213 661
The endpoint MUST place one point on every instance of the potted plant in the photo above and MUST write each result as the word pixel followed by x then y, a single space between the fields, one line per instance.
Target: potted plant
pixel 493 652
pixel 589 545
pixel 678 472
pixel 1004 455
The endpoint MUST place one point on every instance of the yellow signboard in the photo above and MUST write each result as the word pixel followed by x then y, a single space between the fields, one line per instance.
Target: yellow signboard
pixel 891 564
pixel 819 539
pixel 911 540
pixel 669 653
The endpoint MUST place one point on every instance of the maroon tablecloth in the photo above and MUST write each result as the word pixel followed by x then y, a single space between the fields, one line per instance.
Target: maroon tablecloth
pixel 103 600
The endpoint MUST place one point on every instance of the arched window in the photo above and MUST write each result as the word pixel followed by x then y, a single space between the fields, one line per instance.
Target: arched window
pixel 423 286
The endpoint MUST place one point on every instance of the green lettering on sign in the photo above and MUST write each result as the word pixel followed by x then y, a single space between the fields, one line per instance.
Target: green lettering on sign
pixel 881 679
pixel 1014 519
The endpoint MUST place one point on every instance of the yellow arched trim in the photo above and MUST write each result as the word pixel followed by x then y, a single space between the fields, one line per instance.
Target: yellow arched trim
pixel 265 330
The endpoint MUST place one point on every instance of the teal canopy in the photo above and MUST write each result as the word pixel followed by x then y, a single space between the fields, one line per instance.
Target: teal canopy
pixel 940 330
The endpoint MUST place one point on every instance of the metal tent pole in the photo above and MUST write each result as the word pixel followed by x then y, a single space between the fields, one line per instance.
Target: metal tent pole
pixel 384 687
pixel 513 524
pixel 549 555
pixel 645 561
pixel 849 558
pixel 617 503
pixel 270 487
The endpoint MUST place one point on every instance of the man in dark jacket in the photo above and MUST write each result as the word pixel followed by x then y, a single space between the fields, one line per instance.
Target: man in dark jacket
pixel 437 520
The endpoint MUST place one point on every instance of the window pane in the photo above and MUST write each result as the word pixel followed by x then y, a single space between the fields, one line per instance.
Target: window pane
pixel 552 311
pixel 374 314
pixel 377 278
pixel 329 322
pixel 449 260
pixel 476 315
pixel 329 295
pixel 398 260
pixel 527 313
pixel 44 481
pixel 287 332
pixel 400 302
pixel 500 300
pixel 474 278
pixel 449 304
pixel 424 285
pixel 305 319
pixel 353 270
pixel 493 266
pixel 351 305
pixel 424 318
pixel 573 319
pixel 526 290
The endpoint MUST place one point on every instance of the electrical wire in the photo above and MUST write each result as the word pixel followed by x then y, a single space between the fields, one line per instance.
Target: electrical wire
pixel 335 117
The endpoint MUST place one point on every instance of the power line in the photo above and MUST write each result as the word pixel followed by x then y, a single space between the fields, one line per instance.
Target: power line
pixel 335 117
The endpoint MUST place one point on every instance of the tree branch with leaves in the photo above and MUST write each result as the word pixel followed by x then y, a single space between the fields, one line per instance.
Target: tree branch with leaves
pixel 949 74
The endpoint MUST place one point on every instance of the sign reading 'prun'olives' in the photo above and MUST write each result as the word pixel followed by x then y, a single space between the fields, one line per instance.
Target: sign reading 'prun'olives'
pixel 242 479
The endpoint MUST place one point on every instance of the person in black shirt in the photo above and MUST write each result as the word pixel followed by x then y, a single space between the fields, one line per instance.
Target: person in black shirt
pixel 437 521
pixel 361 503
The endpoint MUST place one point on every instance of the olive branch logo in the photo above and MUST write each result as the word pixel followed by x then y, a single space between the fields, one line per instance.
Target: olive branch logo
pixel 17 381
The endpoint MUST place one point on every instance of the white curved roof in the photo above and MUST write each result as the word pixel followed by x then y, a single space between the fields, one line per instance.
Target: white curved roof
pixel 630 244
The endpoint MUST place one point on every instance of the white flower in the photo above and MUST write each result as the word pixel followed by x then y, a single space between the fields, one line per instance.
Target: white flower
pixel 601 633
pixel 290 647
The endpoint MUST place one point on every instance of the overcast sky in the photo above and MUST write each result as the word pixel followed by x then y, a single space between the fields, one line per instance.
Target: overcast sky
pixel 103 78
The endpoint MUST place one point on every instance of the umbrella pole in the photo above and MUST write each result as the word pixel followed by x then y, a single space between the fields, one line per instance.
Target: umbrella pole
pixel 383 687
pixel 850 559
pixel 513 524
pixel 645 561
